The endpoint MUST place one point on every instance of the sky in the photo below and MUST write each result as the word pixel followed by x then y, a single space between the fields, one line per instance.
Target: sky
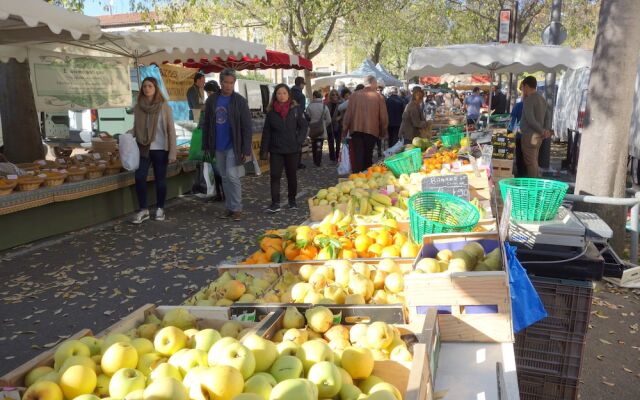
pixel 96 7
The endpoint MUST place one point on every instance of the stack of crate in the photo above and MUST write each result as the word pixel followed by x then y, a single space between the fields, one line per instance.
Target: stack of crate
pixel 549 352
pixel 504 144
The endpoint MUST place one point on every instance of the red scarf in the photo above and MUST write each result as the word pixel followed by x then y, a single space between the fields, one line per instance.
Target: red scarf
pixel 281 108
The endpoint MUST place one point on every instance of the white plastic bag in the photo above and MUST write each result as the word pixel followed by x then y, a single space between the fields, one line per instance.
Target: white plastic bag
pixel 344 166
pixel 129 152
pixel 396 148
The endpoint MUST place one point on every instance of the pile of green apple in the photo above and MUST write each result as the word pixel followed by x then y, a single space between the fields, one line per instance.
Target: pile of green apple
pixel 180 362
pixel 341 282
pixel 470 258
pixel 231 288
pixel 361 187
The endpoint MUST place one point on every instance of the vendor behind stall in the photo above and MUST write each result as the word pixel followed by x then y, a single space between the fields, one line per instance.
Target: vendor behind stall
pixel 195 97
pixel 472 105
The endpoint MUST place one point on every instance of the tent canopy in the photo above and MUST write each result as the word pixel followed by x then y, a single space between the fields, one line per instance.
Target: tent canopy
pixel 389 79
pixel 24 21
pixel 495 58
pixel 366 68
pixel 273 60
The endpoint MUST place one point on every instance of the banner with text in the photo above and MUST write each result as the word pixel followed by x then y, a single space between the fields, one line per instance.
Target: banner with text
pixel 77 82
pixel 177 80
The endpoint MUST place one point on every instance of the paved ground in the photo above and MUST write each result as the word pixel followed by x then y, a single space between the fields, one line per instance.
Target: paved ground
pixel 93 278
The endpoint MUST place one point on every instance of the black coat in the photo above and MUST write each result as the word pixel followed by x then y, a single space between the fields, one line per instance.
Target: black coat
pixel 241 126
pixel 299 97
pixel 395 108
pixel 283 135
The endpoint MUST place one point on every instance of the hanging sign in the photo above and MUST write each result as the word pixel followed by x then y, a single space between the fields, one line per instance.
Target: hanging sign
pixel 504 26
pixel 177 80
pixel 64 82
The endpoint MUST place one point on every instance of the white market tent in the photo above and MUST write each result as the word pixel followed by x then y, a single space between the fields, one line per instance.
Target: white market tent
pixel 389 79
pixel 366 68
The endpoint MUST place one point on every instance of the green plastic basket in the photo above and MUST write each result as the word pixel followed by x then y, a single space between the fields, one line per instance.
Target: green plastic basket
pixel 451 139
pixel 436 212
pixel 407 162
pixel 533 199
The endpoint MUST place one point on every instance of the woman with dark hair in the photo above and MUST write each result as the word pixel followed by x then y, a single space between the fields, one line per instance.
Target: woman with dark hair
pixel 156 136
pixel 413 119
pixel 284 132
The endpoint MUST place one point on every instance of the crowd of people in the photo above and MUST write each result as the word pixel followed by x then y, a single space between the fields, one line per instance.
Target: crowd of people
pixel 363 118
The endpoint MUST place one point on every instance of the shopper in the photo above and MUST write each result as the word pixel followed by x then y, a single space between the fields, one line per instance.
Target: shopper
pixel 333 134
pixel 227 134
pixel 514 126
pixel 498 101
pixel 297 91
pixel 367 119
pixel 413 119
pixel 319 124
pixel 472 105
pixel 156 137
pixel 395 109
pixel 534 125
pixel 195 97
pixel 210 89
pixel 285 129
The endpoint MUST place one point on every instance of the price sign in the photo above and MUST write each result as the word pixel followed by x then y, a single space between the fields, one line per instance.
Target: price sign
pixel 457 185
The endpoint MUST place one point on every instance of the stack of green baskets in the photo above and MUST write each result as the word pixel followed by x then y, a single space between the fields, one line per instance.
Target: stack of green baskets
pixel 435 212
pixel 533 199
pixel 451 138
pixel 407 162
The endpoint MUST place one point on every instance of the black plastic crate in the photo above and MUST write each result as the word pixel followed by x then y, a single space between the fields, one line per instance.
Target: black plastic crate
pixel 589 265
pixel 613 265
pixel 549 353
pixel 540 387
pixel 568 305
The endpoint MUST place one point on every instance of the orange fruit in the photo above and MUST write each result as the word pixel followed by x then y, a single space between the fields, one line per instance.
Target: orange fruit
pixel 362 243
pixel 399 239
pixel 384 238
pixel 347 254
pixel 376 249
pixel 346 243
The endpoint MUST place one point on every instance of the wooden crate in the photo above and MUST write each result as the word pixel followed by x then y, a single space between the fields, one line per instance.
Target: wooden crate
pixel 501 168
pixel 413 378
pixel 461 294
pixel 317 213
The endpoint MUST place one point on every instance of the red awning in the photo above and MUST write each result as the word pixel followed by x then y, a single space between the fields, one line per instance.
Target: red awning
pixel 274 60
pixel 430 80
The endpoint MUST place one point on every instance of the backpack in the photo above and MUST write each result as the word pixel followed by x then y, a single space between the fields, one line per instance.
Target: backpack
pixel 317 129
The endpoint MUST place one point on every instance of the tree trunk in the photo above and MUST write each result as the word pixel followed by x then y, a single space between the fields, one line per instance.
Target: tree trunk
pixel 604 143
pixel 377 50
pixel 20 128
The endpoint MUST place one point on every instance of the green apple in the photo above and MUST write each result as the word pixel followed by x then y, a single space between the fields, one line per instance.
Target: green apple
pixel 358 362
pixel 147 362
pixel 169 340
pixel 111 339
pixel 298 389
pixel 382 395
pixel 286 367
pixel 119 355
pixel 366 384
pixel 386 386
pixel 68 349
pixel 287 348
pixel 148 331
pixel 264 351
pixel 77 380
pixel 346 378
pixel 43 390
pixel 260 384
pixel 125 381
pixel 142 346
pixel 231 329
pixel 166 388
pixel 327 378
pixel 314 351
pixel 87 397
pixel 33 375
pixel 102 385
pixel 192 358
pixel 165 370
pixel 248 396
pixel 53 376
pixel 93 343
pixel 135 395
pixel 204 339
pixel 220 382
pixel 400 353
pixel 77 360
pixel 319 319
pixel 238 356
pixel 214 351
pixel 180 318
pixel 349 391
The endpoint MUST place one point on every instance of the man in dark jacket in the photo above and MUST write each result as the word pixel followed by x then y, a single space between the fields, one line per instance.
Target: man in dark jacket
pixel 301 99
pixel 395 108
pixel 226 132
pixel 498 101
pixel 195 97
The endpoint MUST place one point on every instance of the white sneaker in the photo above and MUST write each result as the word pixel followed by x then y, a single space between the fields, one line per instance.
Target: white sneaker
pixel 159 214
pixel 140 217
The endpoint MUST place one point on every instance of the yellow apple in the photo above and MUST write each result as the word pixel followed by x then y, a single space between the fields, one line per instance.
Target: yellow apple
pixel 346 378
pixel 111 339
pixel 336 293
pixel 362 269
pixel 337 331
pixel 180 318
pixel 165 370
pixel 238 356
pixel 389 266
pixel 219 382
pixel 261 385
pixel 378 277
pixel 286 367
pixel 135 395
pixel 191 358
pixel 148 331
pixel 68 349
pixel 358 332
pixel 349 391
pixel 125 381
pixel 314 351
pixel 298 389
pixel 394 282
pixel 214 351
pixel 231 329
pixel 379 335
pixel 166 389
pixel 77 380
pixel 306 271
pixel 264 351
pixel 319 319
pixel 142 346
pixel 77 360
pixel 119 355
pixel 52 376
pixel 147 362
pixel 298 336
pixel 366 384
pixel 327 378
pixel 358 362
pixel 400 353
pixel 299 291
pixel 387 387
pixel 287 348
pixel 102 385
pixel 43 390
pixel 33 375
pixel 93 343
pixel 169 340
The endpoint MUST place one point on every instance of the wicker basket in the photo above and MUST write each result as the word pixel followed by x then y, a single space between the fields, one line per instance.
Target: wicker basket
pixel 76 174
pixel 27 183
pixel 7 186
pixel 28 167
pixel 113 168
pixel 54 178
pixel 95 171
pixel 102 145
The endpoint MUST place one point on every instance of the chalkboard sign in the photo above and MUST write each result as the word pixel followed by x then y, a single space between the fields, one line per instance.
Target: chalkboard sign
pixel 457 185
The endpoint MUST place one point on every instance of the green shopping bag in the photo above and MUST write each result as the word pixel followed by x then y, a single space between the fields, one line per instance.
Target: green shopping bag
pixel 195 149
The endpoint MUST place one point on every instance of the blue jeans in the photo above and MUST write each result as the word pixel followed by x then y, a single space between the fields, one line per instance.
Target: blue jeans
pixel 159 159
pixel 231 174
